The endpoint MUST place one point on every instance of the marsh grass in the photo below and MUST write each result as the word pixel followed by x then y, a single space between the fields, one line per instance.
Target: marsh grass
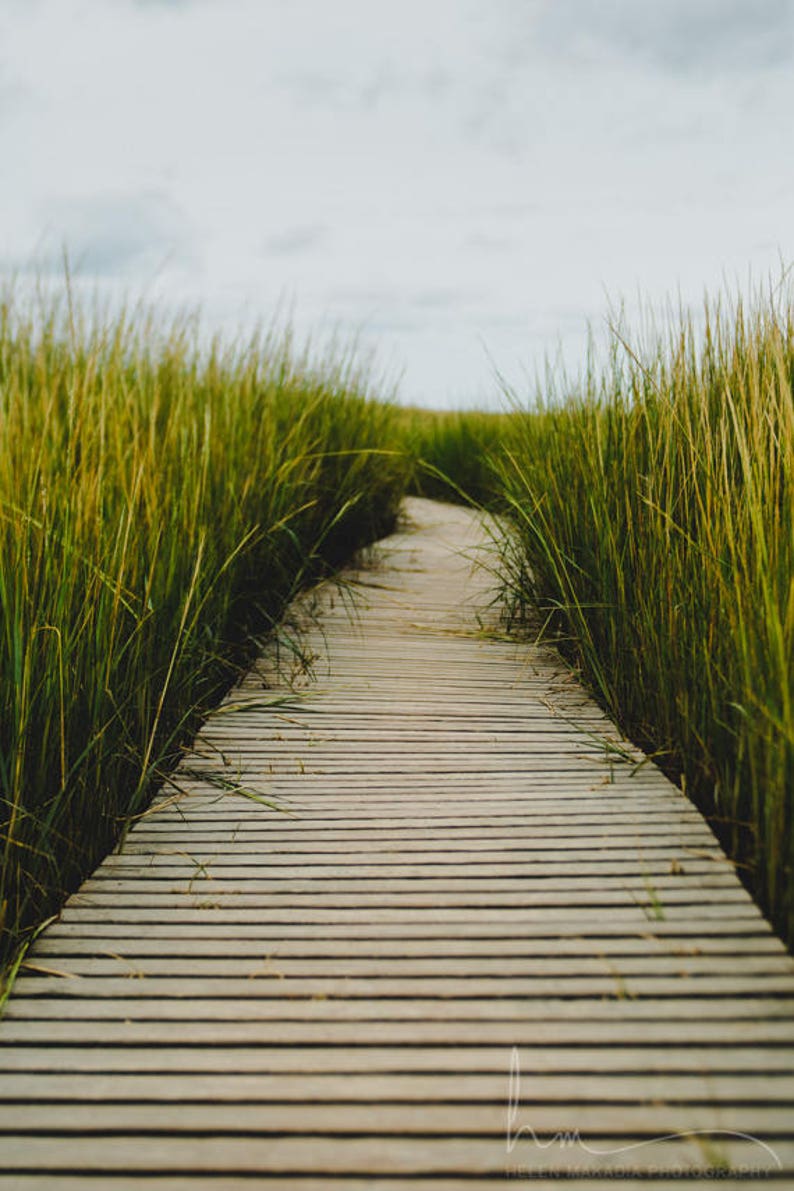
pixel 452 453
pixel 160 502
pixel 652 526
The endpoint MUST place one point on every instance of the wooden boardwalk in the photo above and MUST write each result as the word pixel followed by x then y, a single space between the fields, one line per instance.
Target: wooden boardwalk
pixel 477 941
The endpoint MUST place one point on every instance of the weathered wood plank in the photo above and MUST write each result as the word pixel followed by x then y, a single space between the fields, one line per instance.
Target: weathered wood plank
pixel 360 907
pixel 745 1010
pixel 501 966
pixel 734 950
pixel 696 876
pixel 306 889
pixel 723 931
pixel 385 1154
pixel 593 1121
pixel 370 1060
pixel 352 1087
pixel 519 855
pixel 251 986
pixel 458 842
pixel 329 835
pixel 195 1182
pixel 634 916
pixel 288 1031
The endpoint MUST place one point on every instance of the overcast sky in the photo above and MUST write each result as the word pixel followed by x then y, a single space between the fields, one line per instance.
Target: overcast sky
pixel 463 183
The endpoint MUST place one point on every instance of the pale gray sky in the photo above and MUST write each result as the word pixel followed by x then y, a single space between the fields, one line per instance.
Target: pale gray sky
pixel 462 182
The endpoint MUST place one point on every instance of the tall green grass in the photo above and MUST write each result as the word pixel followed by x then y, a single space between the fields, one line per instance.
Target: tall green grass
pixel 451 453
pixel 159 504
pixel 653 527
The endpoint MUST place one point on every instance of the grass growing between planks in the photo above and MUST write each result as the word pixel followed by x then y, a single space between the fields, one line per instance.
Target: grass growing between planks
pixel 653 526
pixel 159 504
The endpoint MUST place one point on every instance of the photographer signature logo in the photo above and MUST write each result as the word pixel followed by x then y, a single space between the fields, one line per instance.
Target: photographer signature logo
pixel 569 1139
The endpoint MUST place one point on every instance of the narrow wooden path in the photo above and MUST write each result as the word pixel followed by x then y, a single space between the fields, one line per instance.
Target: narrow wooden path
pixel 478 940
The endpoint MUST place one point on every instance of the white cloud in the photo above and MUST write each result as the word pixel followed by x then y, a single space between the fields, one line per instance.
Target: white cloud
pixel 122 237
pixel 678 35
pixel 296 240
pixel 438 175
